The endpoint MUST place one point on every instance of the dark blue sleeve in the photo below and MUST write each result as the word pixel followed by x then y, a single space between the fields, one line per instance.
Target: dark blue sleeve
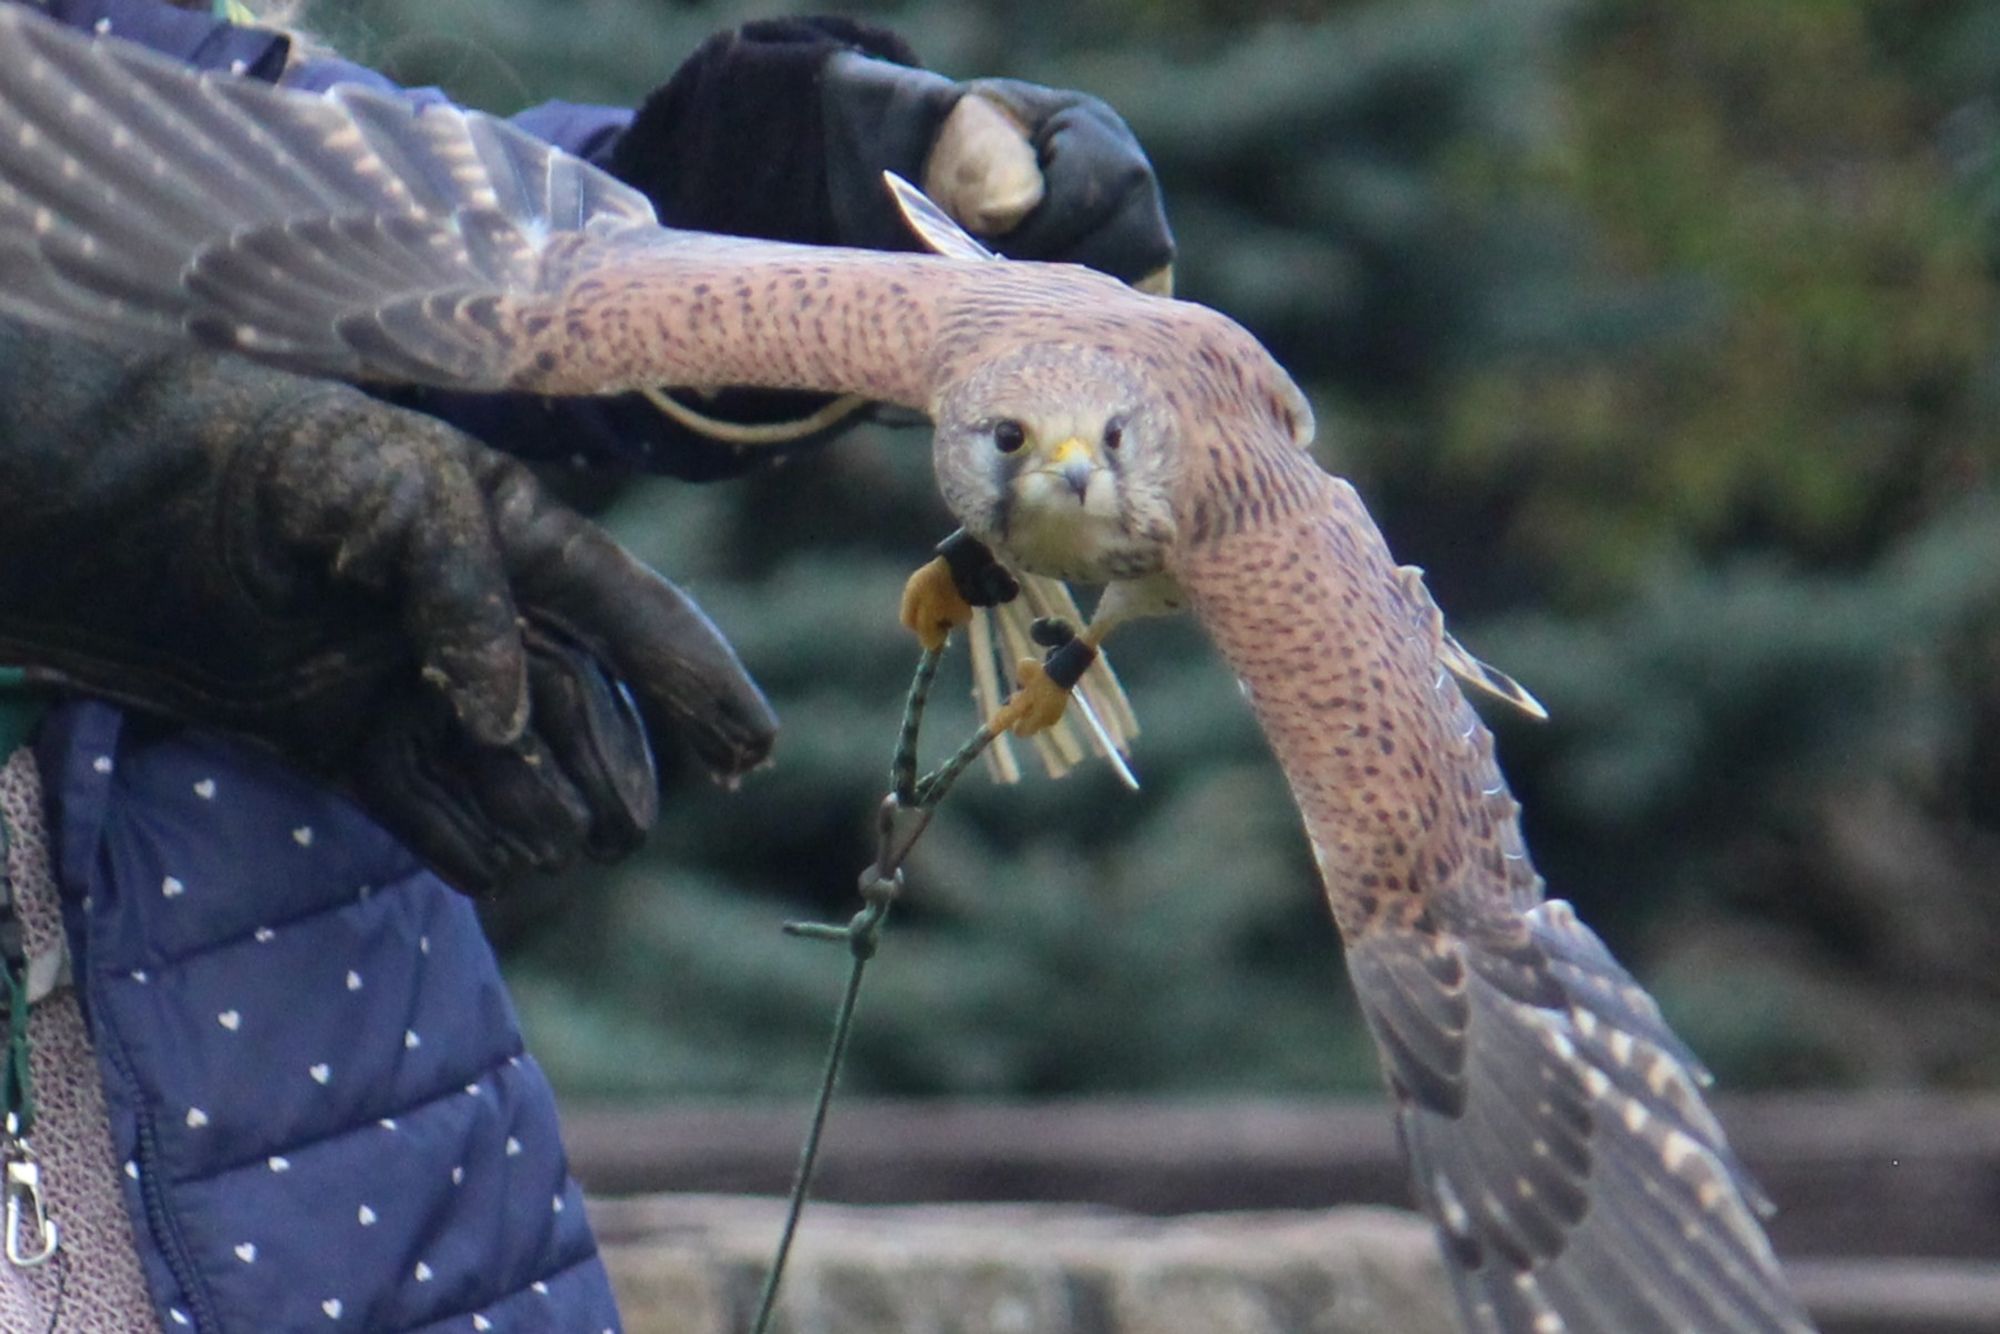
pixel 192 36
pixel 577 128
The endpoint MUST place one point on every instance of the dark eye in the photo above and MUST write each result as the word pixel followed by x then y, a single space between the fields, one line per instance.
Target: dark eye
pixel 1114 433
pixel 1009 436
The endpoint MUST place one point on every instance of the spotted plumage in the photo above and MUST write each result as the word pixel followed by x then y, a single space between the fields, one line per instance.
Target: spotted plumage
pixel 1555 1128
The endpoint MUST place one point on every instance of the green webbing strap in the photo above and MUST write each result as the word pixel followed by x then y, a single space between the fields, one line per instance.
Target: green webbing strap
pixel 17 1086
pixel 17 1092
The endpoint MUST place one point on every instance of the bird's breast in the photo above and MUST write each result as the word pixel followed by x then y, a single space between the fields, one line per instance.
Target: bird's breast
pixel 1085 541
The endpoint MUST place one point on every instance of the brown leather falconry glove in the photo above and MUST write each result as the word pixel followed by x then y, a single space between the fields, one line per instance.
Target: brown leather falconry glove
pixel 371 592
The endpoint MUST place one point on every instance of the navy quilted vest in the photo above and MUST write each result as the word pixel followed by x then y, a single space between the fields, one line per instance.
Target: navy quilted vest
pixel 315 1079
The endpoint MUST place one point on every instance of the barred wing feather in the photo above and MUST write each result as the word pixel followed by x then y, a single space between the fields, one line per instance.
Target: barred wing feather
pixel 1557 1137
pixel 346 234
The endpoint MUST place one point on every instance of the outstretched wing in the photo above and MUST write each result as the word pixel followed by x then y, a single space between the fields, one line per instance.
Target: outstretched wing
pixel 346 234
pixel 1555 1129
pixel 1557 1137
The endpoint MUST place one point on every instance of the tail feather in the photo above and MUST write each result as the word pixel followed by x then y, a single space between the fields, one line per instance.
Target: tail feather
pixel 999 638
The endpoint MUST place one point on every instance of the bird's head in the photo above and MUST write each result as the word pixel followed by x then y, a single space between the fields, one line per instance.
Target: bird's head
pixel 1063 458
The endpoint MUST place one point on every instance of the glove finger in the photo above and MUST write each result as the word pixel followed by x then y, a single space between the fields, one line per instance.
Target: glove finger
pixel 444 834
pixel 570 574
pixel 1103 205
pixel 388 497
pixel 593 730
pixel 479 815
pixel 684 674
pixel 458 610
pixel 523 796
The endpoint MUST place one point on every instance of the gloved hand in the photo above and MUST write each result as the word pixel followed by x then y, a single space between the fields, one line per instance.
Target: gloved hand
pixel 378 596
pixel 782 129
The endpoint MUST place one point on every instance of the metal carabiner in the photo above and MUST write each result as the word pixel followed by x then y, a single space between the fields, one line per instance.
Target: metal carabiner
pixel 31 1233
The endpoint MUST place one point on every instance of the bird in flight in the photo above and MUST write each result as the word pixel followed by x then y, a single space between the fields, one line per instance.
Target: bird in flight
pixel 1555 1128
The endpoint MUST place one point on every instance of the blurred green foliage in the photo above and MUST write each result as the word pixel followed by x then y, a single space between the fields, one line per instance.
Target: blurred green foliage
pixel 1661 331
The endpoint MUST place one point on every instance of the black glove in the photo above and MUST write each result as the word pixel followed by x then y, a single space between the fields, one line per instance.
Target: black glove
pixel 782 129
pixel 378 596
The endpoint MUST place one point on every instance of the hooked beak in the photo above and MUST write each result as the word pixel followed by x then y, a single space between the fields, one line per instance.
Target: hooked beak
pixel 1074 462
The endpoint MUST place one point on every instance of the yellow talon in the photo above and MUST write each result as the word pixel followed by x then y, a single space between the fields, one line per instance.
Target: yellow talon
pixel 932 606
pixel 1035 707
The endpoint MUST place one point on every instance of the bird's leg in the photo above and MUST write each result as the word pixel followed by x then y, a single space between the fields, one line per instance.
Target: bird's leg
pixel 1043 687
pixel 932 605
pixel 940 597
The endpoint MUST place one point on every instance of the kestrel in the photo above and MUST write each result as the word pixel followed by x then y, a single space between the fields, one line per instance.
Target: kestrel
pixel 1554 1127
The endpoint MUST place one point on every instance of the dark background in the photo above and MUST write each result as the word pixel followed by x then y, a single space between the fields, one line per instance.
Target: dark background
pixel 1661 332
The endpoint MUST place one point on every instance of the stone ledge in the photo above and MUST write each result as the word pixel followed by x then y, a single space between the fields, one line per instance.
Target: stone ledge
pixel 692 1264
